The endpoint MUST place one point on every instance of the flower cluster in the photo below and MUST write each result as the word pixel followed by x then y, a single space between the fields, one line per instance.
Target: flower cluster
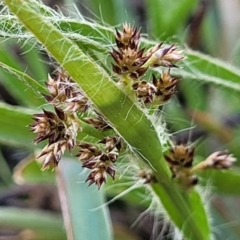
pixel 132 62
pixel 180 161
pixel 159 91
pixel 65 94
pixel 100 158
pixel 61 128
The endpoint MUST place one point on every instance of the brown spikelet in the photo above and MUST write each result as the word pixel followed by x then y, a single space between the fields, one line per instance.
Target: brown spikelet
pixel 129 57
pixel 166 56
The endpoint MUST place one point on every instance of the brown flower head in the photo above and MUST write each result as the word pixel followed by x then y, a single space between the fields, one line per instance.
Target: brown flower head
pixel 65 94
pixel 217 160
pixel 55 127
pixel 180 156
pixel 165 86
pixel 148 176
pixel 166 57
pixel 180 161
pixel 88 151
pixel 128 37
pixel 49 125
pixel 98 122
pixel 144 91
pixel 129 57
pixel 111 143
pixel 52 154
pixel 100 166
pixel 98 160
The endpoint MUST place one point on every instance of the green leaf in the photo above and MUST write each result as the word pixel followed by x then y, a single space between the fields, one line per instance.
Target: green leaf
pixel 224 182
pixel 13 125
pixel 29 171
pixel 83 211
pixel 102 10
pixel 17 82
pixel 5 171
pixel 207 69
pixel 46 226
pixel 35 63
pixel 125 117
pixel 166 18
pixel 32 94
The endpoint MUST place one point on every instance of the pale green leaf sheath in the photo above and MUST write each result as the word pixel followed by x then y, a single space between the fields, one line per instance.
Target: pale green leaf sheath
pixel 185 210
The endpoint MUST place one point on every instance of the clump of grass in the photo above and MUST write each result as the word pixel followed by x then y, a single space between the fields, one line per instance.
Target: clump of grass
pixel 125 111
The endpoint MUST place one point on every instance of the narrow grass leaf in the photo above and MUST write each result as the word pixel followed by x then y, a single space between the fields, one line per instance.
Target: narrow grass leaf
pixel 32 94
pixel 44 225
pixel 84 215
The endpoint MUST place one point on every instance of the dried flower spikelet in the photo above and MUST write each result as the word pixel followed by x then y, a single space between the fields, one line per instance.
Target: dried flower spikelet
pixel 129 57
pixel 165 87
pixel 87 151
pixel 98 160
pixel 180 162
pixel 61 131
pixel 217 160
pixel 55 127
pixel 148 176
pixel 112 143
pixel 180 156
pixel 98 122
pixel 52 154
pixel 49 125
pixel 129 36
pixel 144 91
pixel 166 57
pixel 65 94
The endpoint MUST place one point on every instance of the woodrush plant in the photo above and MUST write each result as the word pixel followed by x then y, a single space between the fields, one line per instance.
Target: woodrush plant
pixel 126 110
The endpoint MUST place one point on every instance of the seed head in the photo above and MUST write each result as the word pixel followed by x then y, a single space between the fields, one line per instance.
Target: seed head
pixel 49 125
pixel 65 94
pixel 180 162
pixel 180 156
pixel 148 176
pixel 165 87
pixel 52 154
pixel 98 122
pixel 129 58
pixel 55 127
pixel 99 160
pixel 145 91
pixel 88 151
pixel 129 36
pixel 166 57
pixel 217 160
pixel 100 166
pixel 112 143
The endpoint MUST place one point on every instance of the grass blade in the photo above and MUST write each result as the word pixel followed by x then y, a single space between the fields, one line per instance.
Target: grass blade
pixel 79 203
pixel 45 225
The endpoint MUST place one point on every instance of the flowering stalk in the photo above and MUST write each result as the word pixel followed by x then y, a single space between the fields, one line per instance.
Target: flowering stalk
pixel 132 62
pixel 180 161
